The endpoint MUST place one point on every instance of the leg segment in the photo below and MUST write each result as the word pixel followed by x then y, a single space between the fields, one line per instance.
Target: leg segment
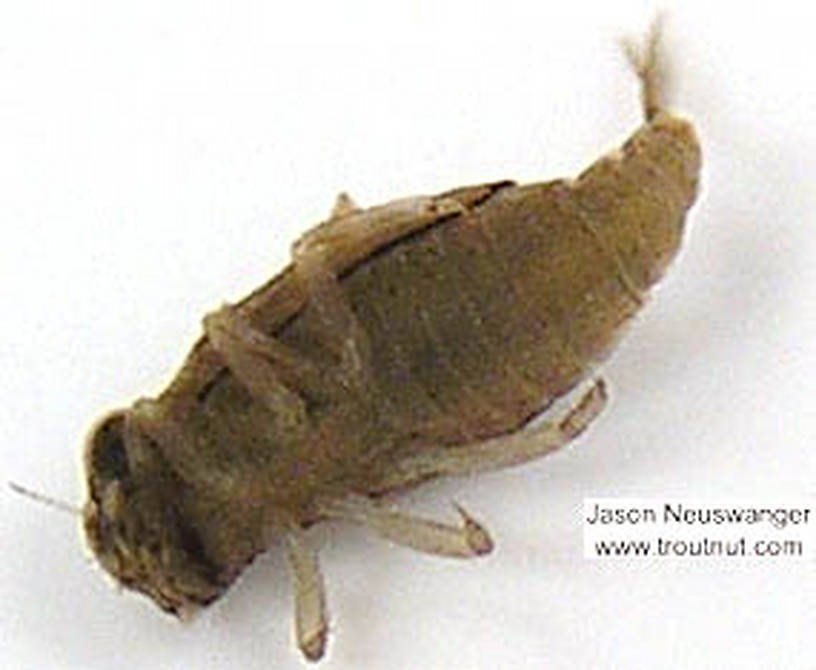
pixel 311 624
pixel 500 452
pixel 352 233
pixel 332 320
pixel 271 371
pixel 430 537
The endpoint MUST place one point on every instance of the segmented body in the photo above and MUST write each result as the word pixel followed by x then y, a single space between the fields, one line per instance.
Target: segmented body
pixel 479 321
pixel 401 335
pixel 476 323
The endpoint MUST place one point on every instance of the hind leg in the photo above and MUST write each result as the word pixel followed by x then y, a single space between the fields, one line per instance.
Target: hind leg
pixel 513 449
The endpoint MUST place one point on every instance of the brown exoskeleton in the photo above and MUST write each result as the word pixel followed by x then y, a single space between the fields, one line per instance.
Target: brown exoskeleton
pixel 404 342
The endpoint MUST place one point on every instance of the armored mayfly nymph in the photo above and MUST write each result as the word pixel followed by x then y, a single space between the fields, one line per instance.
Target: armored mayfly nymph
pixel 404 342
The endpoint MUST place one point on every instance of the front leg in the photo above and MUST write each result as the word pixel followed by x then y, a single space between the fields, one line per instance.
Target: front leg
pixel 281 375
pixel 271 372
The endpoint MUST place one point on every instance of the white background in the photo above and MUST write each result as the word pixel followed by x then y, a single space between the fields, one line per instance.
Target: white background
pixel 157 158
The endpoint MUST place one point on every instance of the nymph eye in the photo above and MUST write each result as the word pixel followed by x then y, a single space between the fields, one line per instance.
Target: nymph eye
pixel 109 455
